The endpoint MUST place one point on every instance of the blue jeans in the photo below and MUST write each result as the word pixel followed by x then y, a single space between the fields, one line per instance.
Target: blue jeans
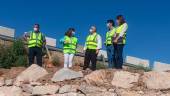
pixel 118 55
pixel 110 51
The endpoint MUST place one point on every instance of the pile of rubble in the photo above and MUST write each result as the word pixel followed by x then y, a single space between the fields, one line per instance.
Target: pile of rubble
pixel 109 82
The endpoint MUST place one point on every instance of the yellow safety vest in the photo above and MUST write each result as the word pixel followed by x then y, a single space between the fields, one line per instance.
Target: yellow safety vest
pixel 71 46
pixel 91 41
pixel 118 31
pixel 109 36
pixel 35 39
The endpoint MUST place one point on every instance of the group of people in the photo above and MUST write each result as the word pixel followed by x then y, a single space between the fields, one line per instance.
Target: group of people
pixel 115 41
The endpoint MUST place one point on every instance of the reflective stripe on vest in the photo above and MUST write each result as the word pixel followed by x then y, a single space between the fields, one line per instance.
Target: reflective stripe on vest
pixel 71 46
pixel 118 31
pixel 109 36
pixel 91 41
pixel 35 40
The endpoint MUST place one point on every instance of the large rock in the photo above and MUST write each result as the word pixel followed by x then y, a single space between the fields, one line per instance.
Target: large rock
pixel 33 73
pixel 45 90
pixel 2 81
pixel 10 91
pixel 66 74
pixel 97 77
pixel 68 89
pixel 125 79
pixel 160 67
pixel 157 80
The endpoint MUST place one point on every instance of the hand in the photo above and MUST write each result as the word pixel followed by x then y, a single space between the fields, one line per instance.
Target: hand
pixel 26 37
pixel 115 41
pixel 97 51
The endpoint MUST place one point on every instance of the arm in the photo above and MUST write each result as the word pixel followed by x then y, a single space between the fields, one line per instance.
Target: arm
pixel 125 27
pixel 26 36
pixel 62 40
pixel 99 44
pixel 44 40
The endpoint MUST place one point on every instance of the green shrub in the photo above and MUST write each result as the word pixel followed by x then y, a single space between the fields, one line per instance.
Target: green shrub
pixel 146 69
pixel 21 61
pixel 138 67
pixel 18 48
pixel 14 55
pixel 5 57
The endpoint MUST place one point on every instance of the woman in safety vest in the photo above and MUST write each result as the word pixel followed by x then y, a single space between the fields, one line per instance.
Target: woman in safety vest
pixel 69 47
pixel 119 41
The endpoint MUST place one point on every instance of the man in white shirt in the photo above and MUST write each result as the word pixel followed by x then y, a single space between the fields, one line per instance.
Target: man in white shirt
pixel 92 47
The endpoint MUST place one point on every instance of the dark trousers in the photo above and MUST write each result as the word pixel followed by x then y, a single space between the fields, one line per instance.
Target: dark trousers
pixel 110 52
pixel 118 55
pixel 35 52
pixel 90 56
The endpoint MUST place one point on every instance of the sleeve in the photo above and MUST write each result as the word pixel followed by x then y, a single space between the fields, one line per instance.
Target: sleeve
pixel 99 42
pixel 125 27
pixel 44 39
pixel 26 35
pixel 62 40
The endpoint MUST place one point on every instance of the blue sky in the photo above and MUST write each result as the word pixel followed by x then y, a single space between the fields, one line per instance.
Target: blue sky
pixel 148 20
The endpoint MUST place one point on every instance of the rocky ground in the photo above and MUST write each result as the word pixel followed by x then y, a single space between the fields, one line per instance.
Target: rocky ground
pixel 37 81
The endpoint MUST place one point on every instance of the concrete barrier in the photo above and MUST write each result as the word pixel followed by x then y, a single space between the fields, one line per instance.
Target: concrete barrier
pixel 159 66
pixel 137 61
pixel 51 41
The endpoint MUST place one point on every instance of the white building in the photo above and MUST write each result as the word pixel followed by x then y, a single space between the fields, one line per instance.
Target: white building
pixel 8 32
pixel 6 35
